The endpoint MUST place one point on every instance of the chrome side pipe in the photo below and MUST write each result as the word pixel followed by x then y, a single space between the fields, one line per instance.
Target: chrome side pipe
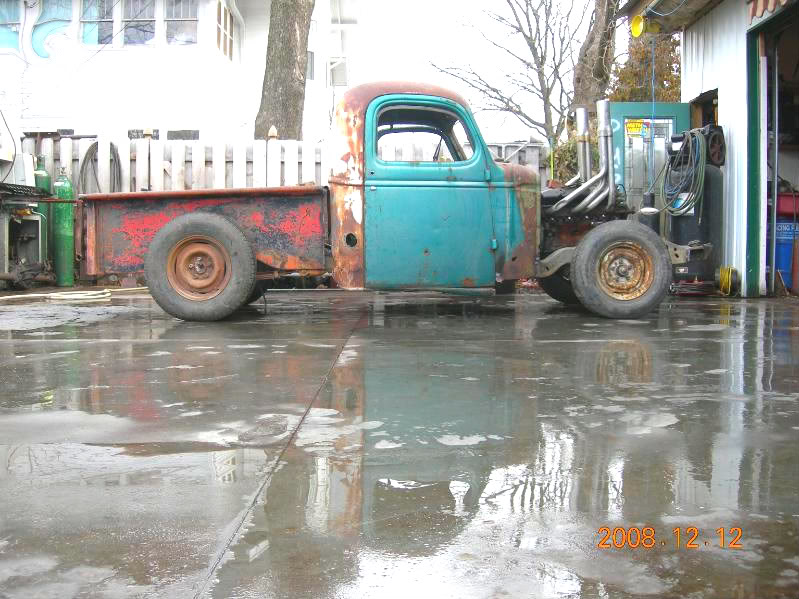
pixel 583 149
pixel 606 138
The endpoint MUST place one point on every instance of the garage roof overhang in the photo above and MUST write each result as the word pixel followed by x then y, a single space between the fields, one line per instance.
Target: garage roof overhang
pixel 684 13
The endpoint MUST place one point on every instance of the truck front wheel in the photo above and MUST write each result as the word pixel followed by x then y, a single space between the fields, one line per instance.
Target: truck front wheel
pixel 200 267
pixel 621 269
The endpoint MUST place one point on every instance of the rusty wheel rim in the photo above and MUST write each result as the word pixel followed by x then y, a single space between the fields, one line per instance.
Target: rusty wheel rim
pixel 198 268
pixel 626 271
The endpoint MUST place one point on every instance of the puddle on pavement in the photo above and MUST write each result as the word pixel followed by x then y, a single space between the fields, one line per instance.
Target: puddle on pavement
pixel 122 521
pixel 459 445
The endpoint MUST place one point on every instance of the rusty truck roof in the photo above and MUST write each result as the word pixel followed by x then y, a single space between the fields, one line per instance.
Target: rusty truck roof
pixel 358 98
pixel 347 134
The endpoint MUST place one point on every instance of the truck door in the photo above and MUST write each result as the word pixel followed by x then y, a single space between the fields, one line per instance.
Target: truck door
pixel 428 220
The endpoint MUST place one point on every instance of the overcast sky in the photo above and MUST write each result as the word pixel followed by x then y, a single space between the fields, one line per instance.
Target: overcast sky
pixel 401 39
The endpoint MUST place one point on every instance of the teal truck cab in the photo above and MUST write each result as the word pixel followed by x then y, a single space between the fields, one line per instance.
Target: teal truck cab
pixel 447 217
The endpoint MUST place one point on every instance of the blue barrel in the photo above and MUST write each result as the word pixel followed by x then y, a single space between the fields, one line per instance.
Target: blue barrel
pixel 786 230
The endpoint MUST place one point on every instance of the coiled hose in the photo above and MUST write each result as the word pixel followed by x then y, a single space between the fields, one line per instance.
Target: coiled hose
pixel 682 181
pixel 83 183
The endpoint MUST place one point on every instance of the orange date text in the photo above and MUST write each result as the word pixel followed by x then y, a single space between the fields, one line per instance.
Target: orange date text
pixel 689 537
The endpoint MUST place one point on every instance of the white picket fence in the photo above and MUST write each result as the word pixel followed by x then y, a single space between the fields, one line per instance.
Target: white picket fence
pixel 156 165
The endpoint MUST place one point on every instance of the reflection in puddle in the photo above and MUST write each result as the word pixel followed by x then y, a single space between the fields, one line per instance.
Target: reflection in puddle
pixel 514 487
pixel 463 447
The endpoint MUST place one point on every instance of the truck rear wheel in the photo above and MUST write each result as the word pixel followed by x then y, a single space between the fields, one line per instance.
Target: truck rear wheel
pixel 200 267
pixel 559 287
pixel 621 269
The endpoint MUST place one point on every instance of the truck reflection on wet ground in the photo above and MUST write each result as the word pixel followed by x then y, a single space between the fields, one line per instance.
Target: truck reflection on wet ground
pixel 465 446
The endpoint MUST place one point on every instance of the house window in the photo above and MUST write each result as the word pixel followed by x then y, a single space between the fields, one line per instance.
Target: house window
pixel 309 70
pixel 97 21
pixel 138 21
pixel 54 18
pixel 224 30
pixel 338 73
pixel 181 21
pixel 9 23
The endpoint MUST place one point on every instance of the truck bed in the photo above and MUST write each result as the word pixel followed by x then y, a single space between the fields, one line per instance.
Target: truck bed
pixel 287 226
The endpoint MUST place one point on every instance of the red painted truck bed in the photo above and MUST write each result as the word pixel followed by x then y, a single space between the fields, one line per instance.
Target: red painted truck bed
pixel 287 226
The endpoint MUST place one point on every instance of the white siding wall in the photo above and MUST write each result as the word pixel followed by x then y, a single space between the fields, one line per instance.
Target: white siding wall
pixel 108 90
pixel 714 57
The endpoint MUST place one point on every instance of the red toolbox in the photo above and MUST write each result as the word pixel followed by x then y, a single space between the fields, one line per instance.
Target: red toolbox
pixel 786 203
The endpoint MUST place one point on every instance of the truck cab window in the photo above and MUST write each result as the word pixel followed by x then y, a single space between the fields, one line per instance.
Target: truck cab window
pixel 413 134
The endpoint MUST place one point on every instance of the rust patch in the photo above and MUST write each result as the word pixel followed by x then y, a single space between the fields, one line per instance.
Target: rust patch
pixel 520 262
pixel 346 202
pixel 625 271
pixel 468 282
pixel 286 232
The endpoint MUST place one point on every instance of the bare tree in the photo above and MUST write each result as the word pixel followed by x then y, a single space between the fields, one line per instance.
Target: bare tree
pixel 542 44
pixel 283 94
pixel 595 62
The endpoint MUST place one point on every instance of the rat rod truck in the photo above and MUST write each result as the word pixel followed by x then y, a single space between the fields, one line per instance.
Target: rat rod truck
pixel 459 219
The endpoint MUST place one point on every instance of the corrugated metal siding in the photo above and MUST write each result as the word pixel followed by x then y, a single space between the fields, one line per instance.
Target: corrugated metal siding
pixel 714 57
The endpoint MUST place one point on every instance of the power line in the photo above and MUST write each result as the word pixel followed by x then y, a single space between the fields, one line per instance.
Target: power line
pixel 671 12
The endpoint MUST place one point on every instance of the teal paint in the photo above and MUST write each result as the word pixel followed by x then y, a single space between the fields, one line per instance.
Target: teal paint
pixel 42 32
pixel 55 17
pixel 680 115
pixel 432 224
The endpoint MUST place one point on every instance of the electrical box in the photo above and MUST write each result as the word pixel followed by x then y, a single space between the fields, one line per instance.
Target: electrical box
pixel 641 132
pixel 20 237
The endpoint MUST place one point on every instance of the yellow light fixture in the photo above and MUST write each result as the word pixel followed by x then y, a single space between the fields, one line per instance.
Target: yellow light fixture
pixel 640 25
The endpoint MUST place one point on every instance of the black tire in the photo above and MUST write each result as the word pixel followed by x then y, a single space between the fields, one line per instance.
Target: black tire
pixel 506 287
pixel 559 287
pixel 257 293
pixel 621 269
pixel 229 262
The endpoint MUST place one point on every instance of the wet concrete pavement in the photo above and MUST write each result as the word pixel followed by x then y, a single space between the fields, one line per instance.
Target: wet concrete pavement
pixel 370 445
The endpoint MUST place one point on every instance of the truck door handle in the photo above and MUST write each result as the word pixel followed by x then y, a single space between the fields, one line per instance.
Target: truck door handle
pixel 373 188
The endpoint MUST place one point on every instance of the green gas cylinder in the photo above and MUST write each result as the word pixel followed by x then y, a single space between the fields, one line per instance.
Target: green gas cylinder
pixel 43 182
pixel 64 231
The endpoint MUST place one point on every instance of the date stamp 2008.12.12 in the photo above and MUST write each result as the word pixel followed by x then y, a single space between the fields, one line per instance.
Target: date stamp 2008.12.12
pixel 689 537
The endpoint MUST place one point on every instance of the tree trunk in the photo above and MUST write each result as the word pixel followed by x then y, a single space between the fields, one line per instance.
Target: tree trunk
pixel 283 95
pixel 592 72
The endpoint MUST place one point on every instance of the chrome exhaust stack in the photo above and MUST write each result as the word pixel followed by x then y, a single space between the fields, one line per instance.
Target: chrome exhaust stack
pixel 603 184
pixel 606 138
pixel 583 147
